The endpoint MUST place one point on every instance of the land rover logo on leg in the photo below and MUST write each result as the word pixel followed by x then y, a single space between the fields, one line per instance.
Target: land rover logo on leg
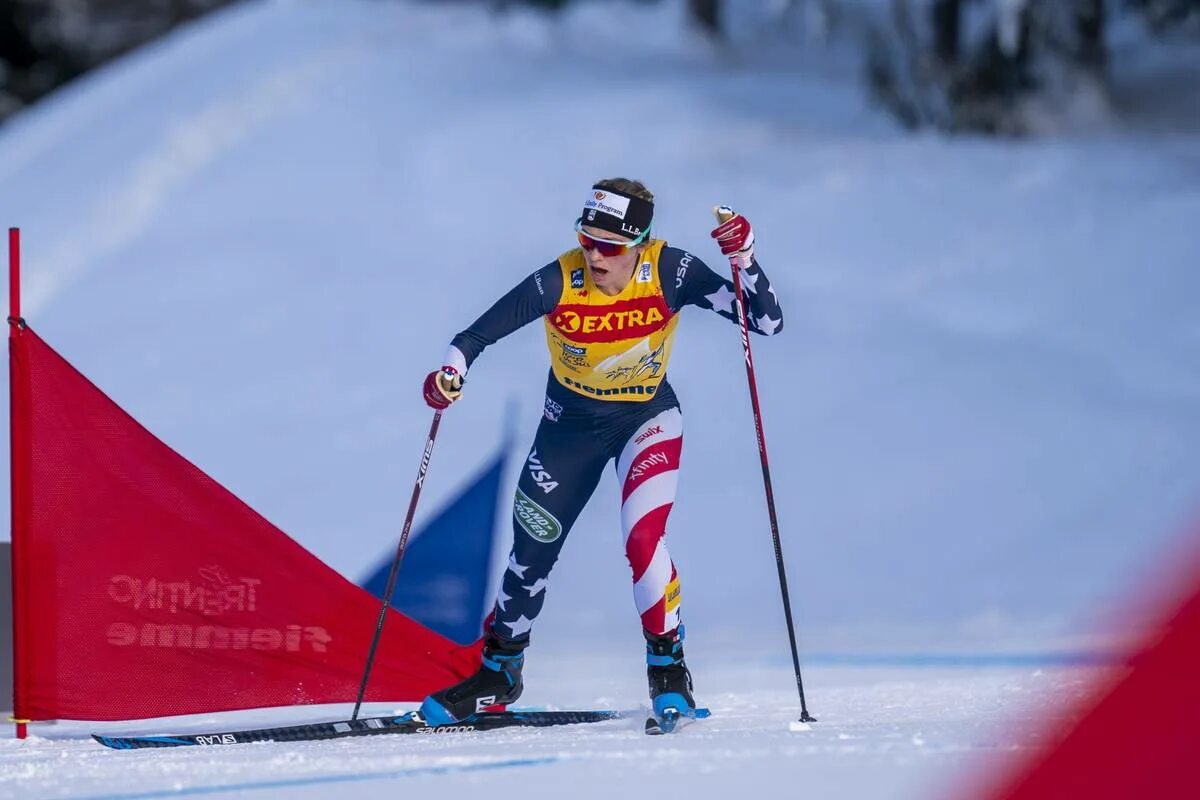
pixel 537 521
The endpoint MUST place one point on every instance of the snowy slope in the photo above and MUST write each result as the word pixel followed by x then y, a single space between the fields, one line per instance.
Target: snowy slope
pixel 260 233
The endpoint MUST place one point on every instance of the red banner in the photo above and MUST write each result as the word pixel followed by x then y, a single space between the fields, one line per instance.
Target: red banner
pixel 143 588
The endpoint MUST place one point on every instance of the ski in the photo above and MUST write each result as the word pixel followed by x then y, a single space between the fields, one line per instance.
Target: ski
pixel 404 723
pixel 670 719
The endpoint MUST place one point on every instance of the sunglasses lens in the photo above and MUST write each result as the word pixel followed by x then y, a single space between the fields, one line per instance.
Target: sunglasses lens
pixel 607 249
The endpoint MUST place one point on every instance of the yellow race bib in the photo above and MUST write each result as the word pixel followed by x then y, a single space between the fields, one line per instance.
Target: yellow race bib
pixel 611 347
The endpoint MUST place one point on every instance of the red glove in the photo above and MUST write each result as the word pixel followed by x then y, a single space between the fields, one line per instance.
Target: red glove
pixel 736 239
pixel 442 387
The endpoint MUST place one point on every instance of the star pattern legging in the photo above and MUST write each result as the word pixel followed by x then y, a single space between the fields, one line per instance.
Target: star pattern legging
pixel 562 470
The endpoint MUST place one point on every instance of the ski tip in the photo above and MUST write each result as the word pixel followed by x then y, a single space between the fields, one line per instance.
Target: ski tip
pixel 662 723
pixel 670 719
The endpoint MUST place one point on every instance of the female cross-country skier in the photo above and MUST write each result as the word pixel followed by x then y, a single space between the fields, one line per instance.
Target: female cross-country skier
pixel 609 307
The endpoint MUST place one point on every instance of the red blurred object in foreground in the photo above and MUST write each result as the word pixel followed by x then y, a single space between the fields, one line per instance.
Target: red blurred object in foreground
pixel 1140 737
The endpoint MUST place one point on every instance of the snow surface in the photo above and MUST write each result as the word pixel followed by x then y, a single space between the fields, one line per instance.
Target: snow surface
pixel 984 415
pixel 881 732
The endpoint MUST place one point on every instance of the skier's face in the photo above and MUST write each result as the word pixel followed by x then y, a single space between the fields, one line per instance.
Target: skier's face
pixel 611 274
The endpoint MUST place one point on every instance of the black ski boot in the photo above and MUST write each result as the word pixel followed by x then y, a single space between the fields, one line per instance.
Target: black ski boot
pixel 670 681
pixel 495 685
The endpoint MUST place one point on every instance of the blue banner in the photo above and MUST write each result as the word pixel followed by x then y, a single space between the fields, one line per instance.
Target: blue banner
pixel 444 574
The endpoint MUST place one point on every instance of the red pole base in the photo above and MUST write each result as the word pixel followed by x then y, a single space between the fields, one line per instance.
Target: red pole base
pixel 22 730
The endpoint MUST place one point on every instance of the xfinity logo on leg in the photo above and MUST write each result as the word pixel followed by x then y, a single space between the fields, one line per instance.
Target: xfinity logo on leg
pixel 654 459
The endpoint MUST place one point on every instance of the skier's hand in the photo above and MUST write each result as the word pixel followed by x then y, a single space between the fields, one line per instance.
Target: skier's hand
pixel 442 387
pixel 734 236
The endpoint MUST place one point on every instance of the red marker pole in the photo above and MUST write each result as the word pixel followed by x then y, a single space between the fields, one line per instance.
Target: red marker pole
pixel 14 277
pixel 16 474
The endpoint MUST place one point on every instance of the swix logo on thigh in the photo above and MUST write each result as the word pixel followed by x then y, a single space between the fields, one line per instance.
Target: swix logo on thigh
pixel 539 474
pixel 552 411
pixel 652 431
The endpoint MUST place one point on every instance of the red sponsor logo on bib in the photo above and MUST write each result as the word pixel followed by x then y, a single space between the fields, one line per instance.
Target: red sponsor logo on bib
pixel 627 319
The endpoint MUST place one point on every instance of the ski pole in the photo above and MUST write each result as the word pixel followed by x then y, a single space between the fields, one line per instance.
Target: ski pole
pixel 391 581
pixel 724 214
